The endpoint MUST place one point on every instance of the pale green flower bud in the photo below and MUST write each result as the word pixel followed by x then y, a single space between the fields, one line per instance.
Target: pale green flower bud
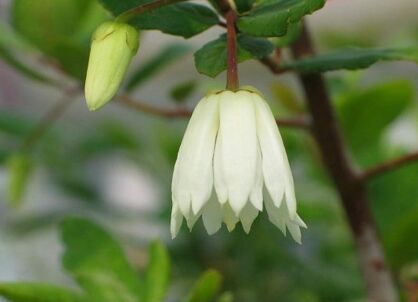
pixel 113 46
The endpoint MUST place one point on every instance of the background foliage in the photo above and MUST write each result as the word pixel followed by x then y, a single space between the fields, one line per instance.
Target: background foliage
pixel 48 44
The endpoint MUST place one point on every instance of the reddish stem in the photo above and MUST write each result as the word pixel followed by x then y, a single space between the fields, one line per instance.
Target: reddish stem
pixel 231 41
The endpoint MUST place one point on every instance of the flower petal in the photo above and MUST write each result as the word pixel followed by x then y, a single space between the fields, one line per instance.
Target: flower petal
pixel 280 217
pixel 212 215
pixel 238 148
pixel 247 216
pixel 229 217
pixel 256 195
pixel 219 179
pixel 276 170
pixel 193 171
pixel 176 221
pixel 273 213
pixel 191 219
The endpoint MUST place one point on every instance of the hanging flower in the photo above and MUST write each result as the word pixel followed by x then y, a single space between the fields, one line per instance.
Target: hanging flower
pixel 112 48
pixel 231 164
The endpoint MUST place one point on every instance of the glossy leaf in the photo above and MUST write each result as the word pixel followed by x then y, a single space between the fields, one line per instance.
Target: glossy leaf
pixel 181 19
pixel 211 59
pixel 352 58
pixel 272 18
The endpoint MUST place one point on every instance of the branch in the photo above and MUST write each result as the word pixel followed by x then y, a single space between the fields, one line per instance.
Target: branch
pixel 50 117
pixel 389 166
pixel 351 188
pixel 129 14
pixel 271 64
pixel 151 109
pixel 125 100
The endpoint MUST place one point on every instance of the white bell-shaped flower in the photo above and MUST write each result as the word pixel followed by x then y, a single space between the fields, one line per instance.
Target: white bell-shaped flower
pixel 232 164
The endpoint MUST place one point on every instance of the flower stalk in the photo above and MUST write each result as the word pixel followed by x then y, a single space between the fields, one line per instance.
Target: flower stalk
pixel 231 41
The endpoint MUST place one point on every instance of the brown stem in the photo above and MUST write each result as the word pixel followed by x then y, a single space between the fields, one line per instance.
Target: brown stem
pixel 351 188
pixel 231 42
pixel 302 122
pixel 50 117
pixel 151 109
pixel 126 16
pixel 271 64
pixel 389 166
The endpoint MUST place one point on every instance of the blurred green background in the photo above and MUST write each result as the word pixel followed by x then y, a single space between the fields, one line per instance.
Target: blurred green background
pixel 114 166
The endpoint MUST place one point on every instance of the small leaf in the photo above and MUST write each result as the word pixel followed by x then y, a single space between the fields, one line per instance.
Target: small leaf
pixel 98 263
pixel 211 59
pixel 206 288
pixel 182 91
pixel 181 19
pixel 36 292
pixel 352 58
pixel 162 59
pixel 272 18
pixel 157 274
pixel 19 166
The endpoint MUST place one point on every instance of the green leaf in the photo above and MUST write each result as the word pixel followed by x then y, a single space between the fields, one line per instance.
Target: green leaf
pixel 182 91
pixel 373 110
pixel 57 28
pixel 293 32
pixel 395 207
pixel 206 288
pixel 98 263
pixel 401 249
pixel 157 274
pixel 352 58
pixel 244 5
pixel 162 59
pixel 36 292
pixel 181 19
pixel 226 297
pixel 18 167
pixel 272 18
pixel 211 59
pixel 48 21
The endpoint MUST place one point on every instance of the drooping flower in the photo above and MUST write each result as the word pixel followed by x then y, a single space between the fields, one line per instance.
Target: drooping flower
pixel 112 48
pixel 232 164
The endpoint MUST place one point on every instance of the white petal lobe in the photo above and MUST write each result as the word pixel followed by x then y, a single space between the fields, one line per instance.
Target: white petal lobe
pixel 176 221
pixel 247 216
pixel 212 215
pixel 238 149
pixel 276 170
pixel 193 171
